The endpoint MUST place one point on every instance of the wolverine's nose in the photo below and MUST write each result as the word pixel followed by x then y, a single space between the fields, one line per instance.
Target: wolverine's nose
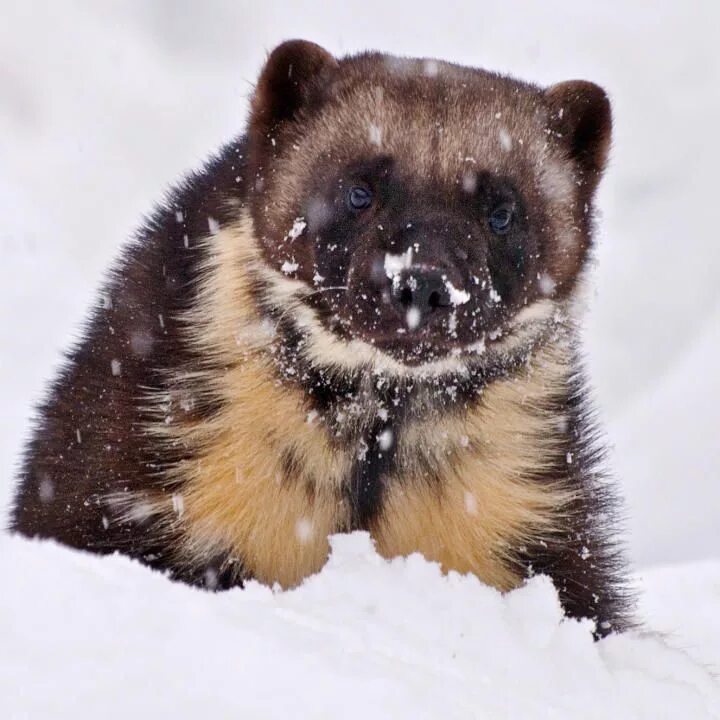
pixel 419 292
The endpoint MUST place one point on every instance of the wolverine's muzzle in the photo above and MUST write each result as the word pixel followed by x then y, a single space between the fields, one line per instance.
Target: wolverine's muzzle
pixel 408 289
pixel 420 292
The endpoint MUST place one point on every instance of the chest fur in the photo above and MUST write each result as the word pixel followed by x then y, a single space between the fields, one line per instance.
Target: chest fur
pixel 267 477
pixel 274 479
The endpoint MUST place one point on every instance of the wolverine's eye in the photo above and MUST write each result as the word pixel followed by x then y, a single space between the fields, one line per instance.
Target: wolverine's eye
pixel 359 198
pixel 501 218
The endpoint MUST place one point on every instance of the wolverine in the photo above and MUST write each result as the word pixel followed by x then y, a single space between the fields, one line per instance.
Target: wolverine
pixel 362 313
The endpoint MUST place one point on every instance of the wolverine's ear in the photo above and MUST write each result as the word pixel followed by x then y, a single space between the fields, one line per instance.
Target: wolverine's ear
pixel 580 116
pixel 293 77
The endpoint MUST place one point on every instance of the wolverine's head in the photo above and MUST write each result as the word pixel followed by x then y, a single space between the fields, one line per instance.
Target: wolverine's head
pixel 415 212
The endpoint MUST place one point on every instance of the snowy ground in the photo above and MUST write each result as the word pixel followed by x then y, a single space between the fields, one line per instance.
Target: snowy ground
pixel 364 638
pixel 102 104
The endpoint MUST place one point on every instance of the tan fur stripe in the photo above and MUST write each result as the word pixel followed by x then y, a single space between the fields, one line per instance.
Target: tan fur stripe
pixel 236 498
pixel 484 503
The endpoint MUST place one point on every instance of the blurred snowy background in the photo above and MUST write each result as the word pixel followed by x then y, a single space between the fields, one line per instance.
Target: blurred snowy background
pixel 104 103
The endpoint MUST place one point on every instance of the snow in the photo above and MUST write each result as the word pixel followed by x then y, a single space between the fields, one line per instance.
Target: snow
pixel 506 139
pixel 681 602
pixel 304 530
pixel 213 226
pixel 457 296
pixel 385 439
pixel 395 263
pixel 375 134
pixel 469 182
pixel 289 267
pixel 430 68
pixel 547 284
pixel 682 411
pixel 413 317
pixel 102 105
pixel 296 230
pixel 365 637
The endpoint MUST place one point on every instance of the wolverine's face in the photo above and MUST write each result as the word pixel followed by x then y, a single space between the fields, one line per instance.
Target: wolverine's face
pixel 415 265
pixel 420 210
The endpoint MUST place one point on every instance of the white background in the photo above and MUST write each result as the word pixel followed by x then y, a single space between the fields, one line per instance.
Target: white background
pixel 103 104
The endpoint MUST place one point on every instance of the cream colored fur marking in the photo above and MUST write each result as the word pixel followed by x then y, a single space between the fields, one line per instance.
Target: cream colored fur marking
pixel 325 349
pixel 238 497
pixel 486 505
pixel 235 495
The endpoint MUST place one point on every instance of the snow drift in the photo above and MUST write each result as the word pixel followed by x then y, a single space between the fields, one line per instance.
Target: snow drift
pixel 85 636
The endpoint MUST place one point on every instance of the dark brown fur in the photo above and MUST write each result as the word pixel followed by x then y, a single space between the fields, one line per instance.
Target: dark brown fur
pixel 176 435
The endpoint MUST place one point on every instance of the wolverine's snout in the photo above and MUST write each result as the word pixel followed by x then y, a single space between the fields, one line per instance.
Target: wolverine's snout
pixel 411 283
pixel 420 292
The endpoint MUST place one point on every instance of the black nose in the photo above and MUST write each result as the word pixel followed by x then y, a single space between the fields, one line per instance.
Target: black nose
pixel 420 292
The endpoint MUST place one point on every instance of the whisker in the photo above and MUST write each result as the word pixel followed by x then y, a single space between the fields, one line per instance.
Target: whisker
pixel 322 290
pixel 296 301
